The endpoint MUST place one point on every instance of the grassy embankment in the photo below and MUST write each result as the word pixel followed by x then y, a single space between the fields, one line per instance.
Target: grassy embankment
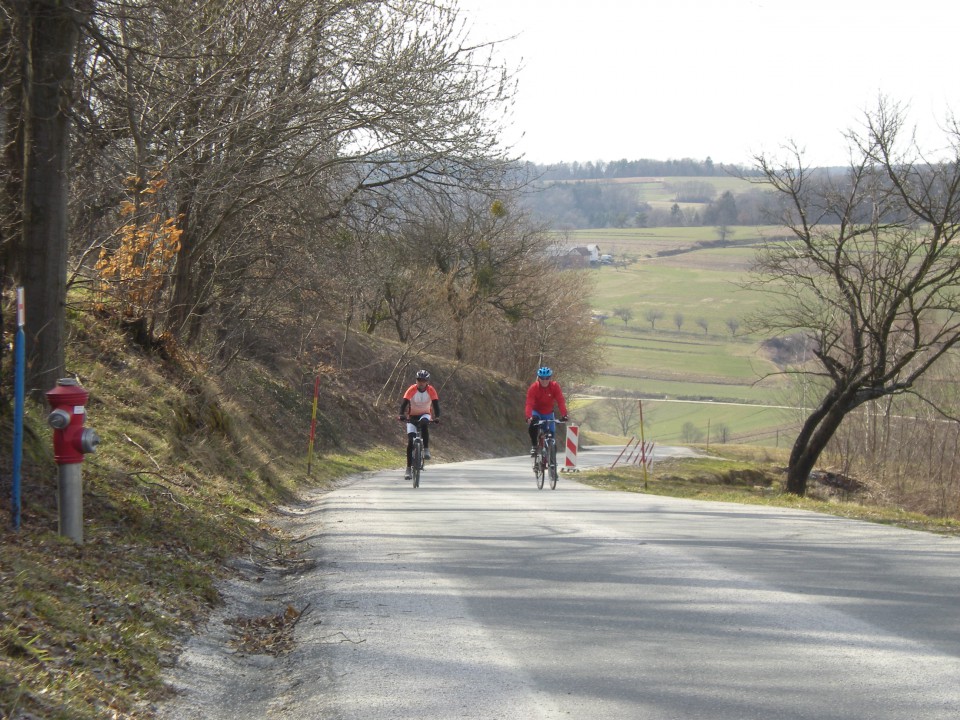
pixel 188 474
pixel 748 474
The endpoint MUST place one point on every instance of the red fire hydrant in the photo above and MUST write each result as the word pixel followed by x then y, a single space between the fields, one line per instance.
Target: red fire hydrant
pixel 71 441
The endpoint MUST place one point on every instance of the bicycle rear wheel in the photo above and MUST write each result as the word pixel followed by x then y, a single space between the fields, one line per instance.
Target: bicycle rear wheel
pixel 417 461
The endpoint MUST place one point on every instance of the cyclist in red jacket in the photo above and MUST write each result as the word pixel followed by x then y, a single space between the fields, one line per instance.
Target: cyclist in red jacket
pixel 420 404
pixel 542 395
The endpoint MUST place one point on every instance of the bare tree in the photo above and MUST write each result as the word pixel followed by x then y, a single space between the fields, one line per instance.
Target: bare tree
pixel 703 324
pixel 692 191
pixel 624 260
pixel 678 320
pixel 652 315
pixel 269 120
pixel 625 410
pixel 870 273
pixel 732 325
pixel 556 328
pixel 690 433
pixel 721 432
pixel 475 260
pixel 624 313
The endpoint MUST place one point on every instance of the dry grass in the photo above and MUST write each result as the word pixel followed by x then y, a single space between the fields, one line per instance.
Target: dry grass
pixel 753 475
pixel 186 478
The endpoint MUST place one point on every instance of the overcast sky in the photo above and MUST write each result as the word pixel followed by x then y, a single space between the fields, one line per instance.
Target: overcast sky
pixel 612 79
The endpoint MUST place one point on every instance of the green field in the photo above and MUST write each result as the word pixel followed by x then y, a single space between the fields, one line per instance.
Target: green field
pixel 648 242
pixel 686 356
pixel 664 421
pixel 664 189
pixel 700 284
pixel 718 376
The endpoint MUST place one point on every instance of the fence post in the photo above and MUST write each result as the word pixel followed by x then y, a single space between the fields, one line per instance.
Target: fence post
pixel 313 425
pixel 640 405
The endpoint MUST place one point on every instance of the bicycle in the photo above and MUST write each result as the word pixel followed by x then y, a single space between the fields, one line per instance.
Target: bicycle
pixel 417 458
pixel 545 456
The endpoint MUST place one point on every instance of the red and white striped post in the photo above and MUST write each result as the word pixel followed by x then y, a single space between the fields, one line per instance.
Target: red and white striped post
pixel 573 440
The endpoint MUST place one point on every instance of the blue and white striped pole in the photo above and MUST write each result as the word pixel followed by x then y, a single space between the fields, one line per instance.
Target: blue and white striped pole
pixel 18 384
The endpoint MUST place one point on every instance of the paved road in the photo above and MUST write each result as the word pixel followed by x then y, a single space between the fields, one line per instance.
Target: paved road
pixel 478 596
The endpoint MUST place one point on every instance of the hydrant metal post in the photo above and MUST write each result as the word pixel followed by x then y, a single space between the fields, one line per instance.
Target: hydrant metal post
pixel 71 441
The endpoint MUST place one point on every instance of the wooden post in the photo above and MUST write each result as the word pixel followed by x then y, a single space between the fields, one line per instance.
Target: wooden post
pixel 313 426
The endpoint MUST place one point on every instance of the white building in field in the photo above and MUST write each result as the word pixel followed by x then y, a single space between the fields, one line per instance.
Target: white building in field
pixel 576 256
pixel 582 256
pixel 594 251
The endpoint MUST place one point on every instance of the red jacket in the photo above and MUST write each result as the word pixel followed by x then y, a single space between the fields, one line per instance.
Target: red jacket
pixel 542 399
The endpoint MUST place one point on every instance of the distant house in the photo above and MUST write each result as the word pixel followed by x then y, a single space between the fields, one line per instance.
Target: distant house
pixel 594 251
pixel 582 256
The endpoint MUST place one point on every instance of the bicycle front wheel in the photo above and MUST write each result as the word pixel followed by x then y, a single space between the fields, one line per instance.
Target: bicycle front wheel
pixel 417 463
pixel 539 470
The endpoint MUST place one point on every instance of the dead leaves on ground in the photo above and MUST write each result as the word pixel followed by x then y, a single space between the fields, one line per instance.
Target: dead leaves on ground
pixel 267 635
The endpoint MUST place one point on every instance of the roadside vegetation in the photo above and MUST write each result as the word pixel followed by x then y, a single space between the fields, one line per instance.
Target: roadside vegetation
pixel 191 469
pixel 750 475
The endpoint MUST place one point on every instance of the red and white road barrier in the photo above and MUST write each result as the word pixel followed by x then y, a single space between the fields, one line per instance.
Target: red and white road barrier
pixel 573 441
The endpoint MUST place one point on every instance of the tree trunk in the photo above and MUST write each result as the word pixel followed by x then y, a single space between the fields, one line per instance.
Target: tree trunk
pixel 459 351
pixel 52 38
pixel 12 62
pixel 183 300
pixel 816 432
pixel 798 472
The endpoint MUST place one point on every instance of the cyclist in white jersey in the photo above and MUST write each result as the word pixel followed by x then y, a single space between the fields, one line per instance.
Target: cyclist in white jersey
pixel 420 405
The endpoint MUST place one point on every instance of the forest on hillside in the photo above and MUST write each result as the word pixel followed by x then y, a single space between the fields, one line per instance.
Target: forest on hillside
pixel 690 193
pixel 599 194
pixel 645 167
pixel 582 205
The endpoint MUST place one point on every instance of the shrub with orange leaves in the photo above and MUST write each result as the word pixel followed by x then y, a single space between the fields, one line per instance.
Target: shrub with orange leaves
pixel 133 272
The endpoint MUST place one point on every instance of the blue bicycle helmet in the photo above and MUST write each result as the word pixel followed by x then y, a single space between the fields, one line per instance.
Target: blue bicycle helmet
pixel 544 372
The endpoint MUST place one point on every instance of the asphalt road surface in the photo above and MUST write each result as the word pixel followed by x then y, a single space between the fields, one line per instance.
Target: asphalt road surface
pixel 478 596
